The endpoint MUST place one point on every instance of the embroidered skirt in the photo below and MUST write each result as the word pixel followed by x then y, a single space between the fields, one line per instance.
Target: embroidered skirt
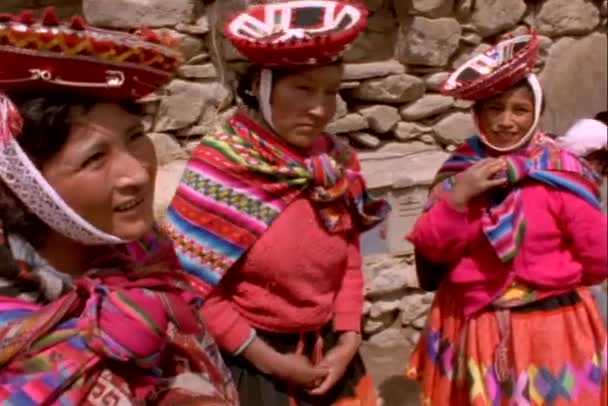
pixel 556 347
pixel 256 389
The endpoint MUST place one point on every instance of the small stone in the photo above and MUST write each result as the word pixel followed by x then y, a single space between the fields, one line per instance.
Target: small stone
pixel 341 108
pixel 463 104
pixel 375 325
pixel 567 17
pixel 414 306
pixel 454 128
pixel 360 71
pixel 167 148
pixel 377 42
pixel 380 118
pixel 186 101
pixel 471 38
pixel 463 9
pixel 347 124
pixel 349 85
pixel 189 45
pixel 434 81
pixel 409 131
pixel 390 280
pixel 207 71
pixel 494 16
pixel 391 89
pixel 167 180
pixel 412 335
pixel 135 14
pixel 428 42
pixel 199 59
pixel 427 106
pixel 420 322
pixel 466 53
pixel 429 8
pixel 200 27
pixel 427 139
pixel 367 307
pixel 391 337
pixel 382 307
pixel 365 139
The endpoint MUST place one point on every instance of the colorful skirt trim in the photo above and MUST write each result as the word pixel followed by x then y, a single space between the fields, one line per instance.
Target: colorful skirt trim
pixel 557 354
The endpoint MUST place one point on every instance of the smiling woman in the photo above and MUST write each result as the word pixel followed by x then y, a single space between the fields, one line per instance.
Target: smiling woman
pixel 94 307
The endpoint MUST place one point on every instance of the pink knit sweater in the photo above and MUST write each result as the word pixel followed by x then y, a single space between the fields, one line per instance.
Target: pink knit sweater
pixel 565 246
pixel 296 278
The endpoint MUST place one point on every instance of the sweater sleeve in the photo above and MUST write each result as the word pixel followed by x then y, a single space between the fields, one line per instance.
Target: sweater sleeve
pixel 229 329
pixel 586 229
pixel 440 234
pixel 348 305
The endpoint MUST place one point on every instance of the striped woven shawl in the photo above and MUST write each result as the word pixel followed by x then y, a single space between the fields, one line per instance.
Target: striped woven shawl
pixel 241 178
pixel 542 161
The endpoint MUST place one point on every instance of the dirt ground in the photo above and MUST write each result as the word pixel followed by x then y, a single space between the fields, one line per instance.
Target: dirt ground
pixel 387 366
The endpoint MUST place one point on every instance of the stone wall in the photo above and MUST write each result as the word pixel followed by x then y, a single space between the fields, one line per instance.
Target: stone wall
pixel 389 106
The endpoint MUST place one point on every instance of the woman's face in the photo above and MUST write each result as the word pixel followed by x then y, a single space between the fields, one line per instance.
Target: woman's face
pixel 507 118
pixel 303 103
pixel 106 171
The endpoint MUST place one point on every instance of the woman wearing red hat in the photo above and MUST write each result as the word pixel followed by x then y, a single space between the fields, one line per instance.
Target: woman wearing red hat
pixel 514 230
pixel 94 308
pixel 269 212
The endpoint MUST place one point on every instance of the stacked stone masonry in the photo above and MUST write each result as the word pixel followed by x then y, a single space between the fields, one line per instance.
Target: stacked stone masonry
pixel 390 107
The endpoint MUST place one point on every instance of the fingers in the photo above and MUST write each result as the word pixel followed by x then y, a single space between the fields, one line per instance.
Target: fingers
pixel 327 384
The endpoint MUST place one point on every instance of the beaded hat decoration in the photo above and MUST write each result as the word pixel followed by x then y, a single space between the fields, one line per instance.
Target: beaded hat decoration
pixel 294 33
pixel 47 55
pixel 494 71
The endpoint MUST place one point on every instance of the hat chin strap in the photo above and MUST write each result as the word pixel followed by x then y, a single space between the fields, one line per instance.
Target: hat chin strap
pixel 265 95
pixel 538 102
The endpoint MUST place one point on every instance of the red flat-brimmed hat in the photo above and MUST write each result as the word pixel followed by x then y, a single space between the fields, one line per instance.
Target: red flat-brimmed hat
pixel 47 55
pixel 494 71
pixel 296 33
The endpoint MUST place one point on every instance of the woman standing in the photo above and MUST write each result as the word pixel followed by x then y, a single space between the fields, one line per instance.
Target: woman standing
pixel 269 212
pixel 515 228
pixel 94 308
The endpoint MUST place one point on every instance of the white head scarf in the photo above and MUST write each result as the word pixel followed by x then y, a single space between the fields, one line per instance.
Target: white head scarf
pixel 537 91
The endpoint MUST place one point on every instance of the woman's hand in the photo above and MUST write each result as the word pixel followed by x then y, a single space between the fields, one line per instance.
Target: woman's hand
pixel 476 180
pixel 297 370
pixel 337 360
pixel 293 369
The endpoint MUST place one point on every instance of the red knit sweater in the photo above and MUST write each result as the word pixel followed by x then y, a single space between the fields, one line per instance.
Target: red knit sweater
pixel 296 278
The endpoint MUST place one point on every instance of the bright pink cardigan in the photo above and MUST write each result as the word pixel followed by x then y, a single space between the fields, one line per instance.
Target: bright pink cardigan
pixel 565 246
pixel 296 278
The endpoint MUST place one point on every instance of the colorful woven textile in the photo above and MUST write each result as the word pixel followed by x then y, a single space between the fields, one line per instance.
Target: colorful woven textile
pixel 558 356
pixel 240 179
pixel 124 334
pixel 542 161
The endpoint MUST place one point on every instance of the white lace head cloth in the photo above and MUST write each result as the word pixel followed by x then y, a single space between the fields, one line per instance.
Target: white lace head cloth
pixel 292 34
pixel 43 57
pixel 496 71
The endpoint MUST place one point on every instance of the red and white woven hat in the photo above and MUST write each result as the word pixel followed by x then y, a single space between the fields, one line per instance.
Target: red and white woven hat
pixel 494 71
pixel 47 55
pixel 295 33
